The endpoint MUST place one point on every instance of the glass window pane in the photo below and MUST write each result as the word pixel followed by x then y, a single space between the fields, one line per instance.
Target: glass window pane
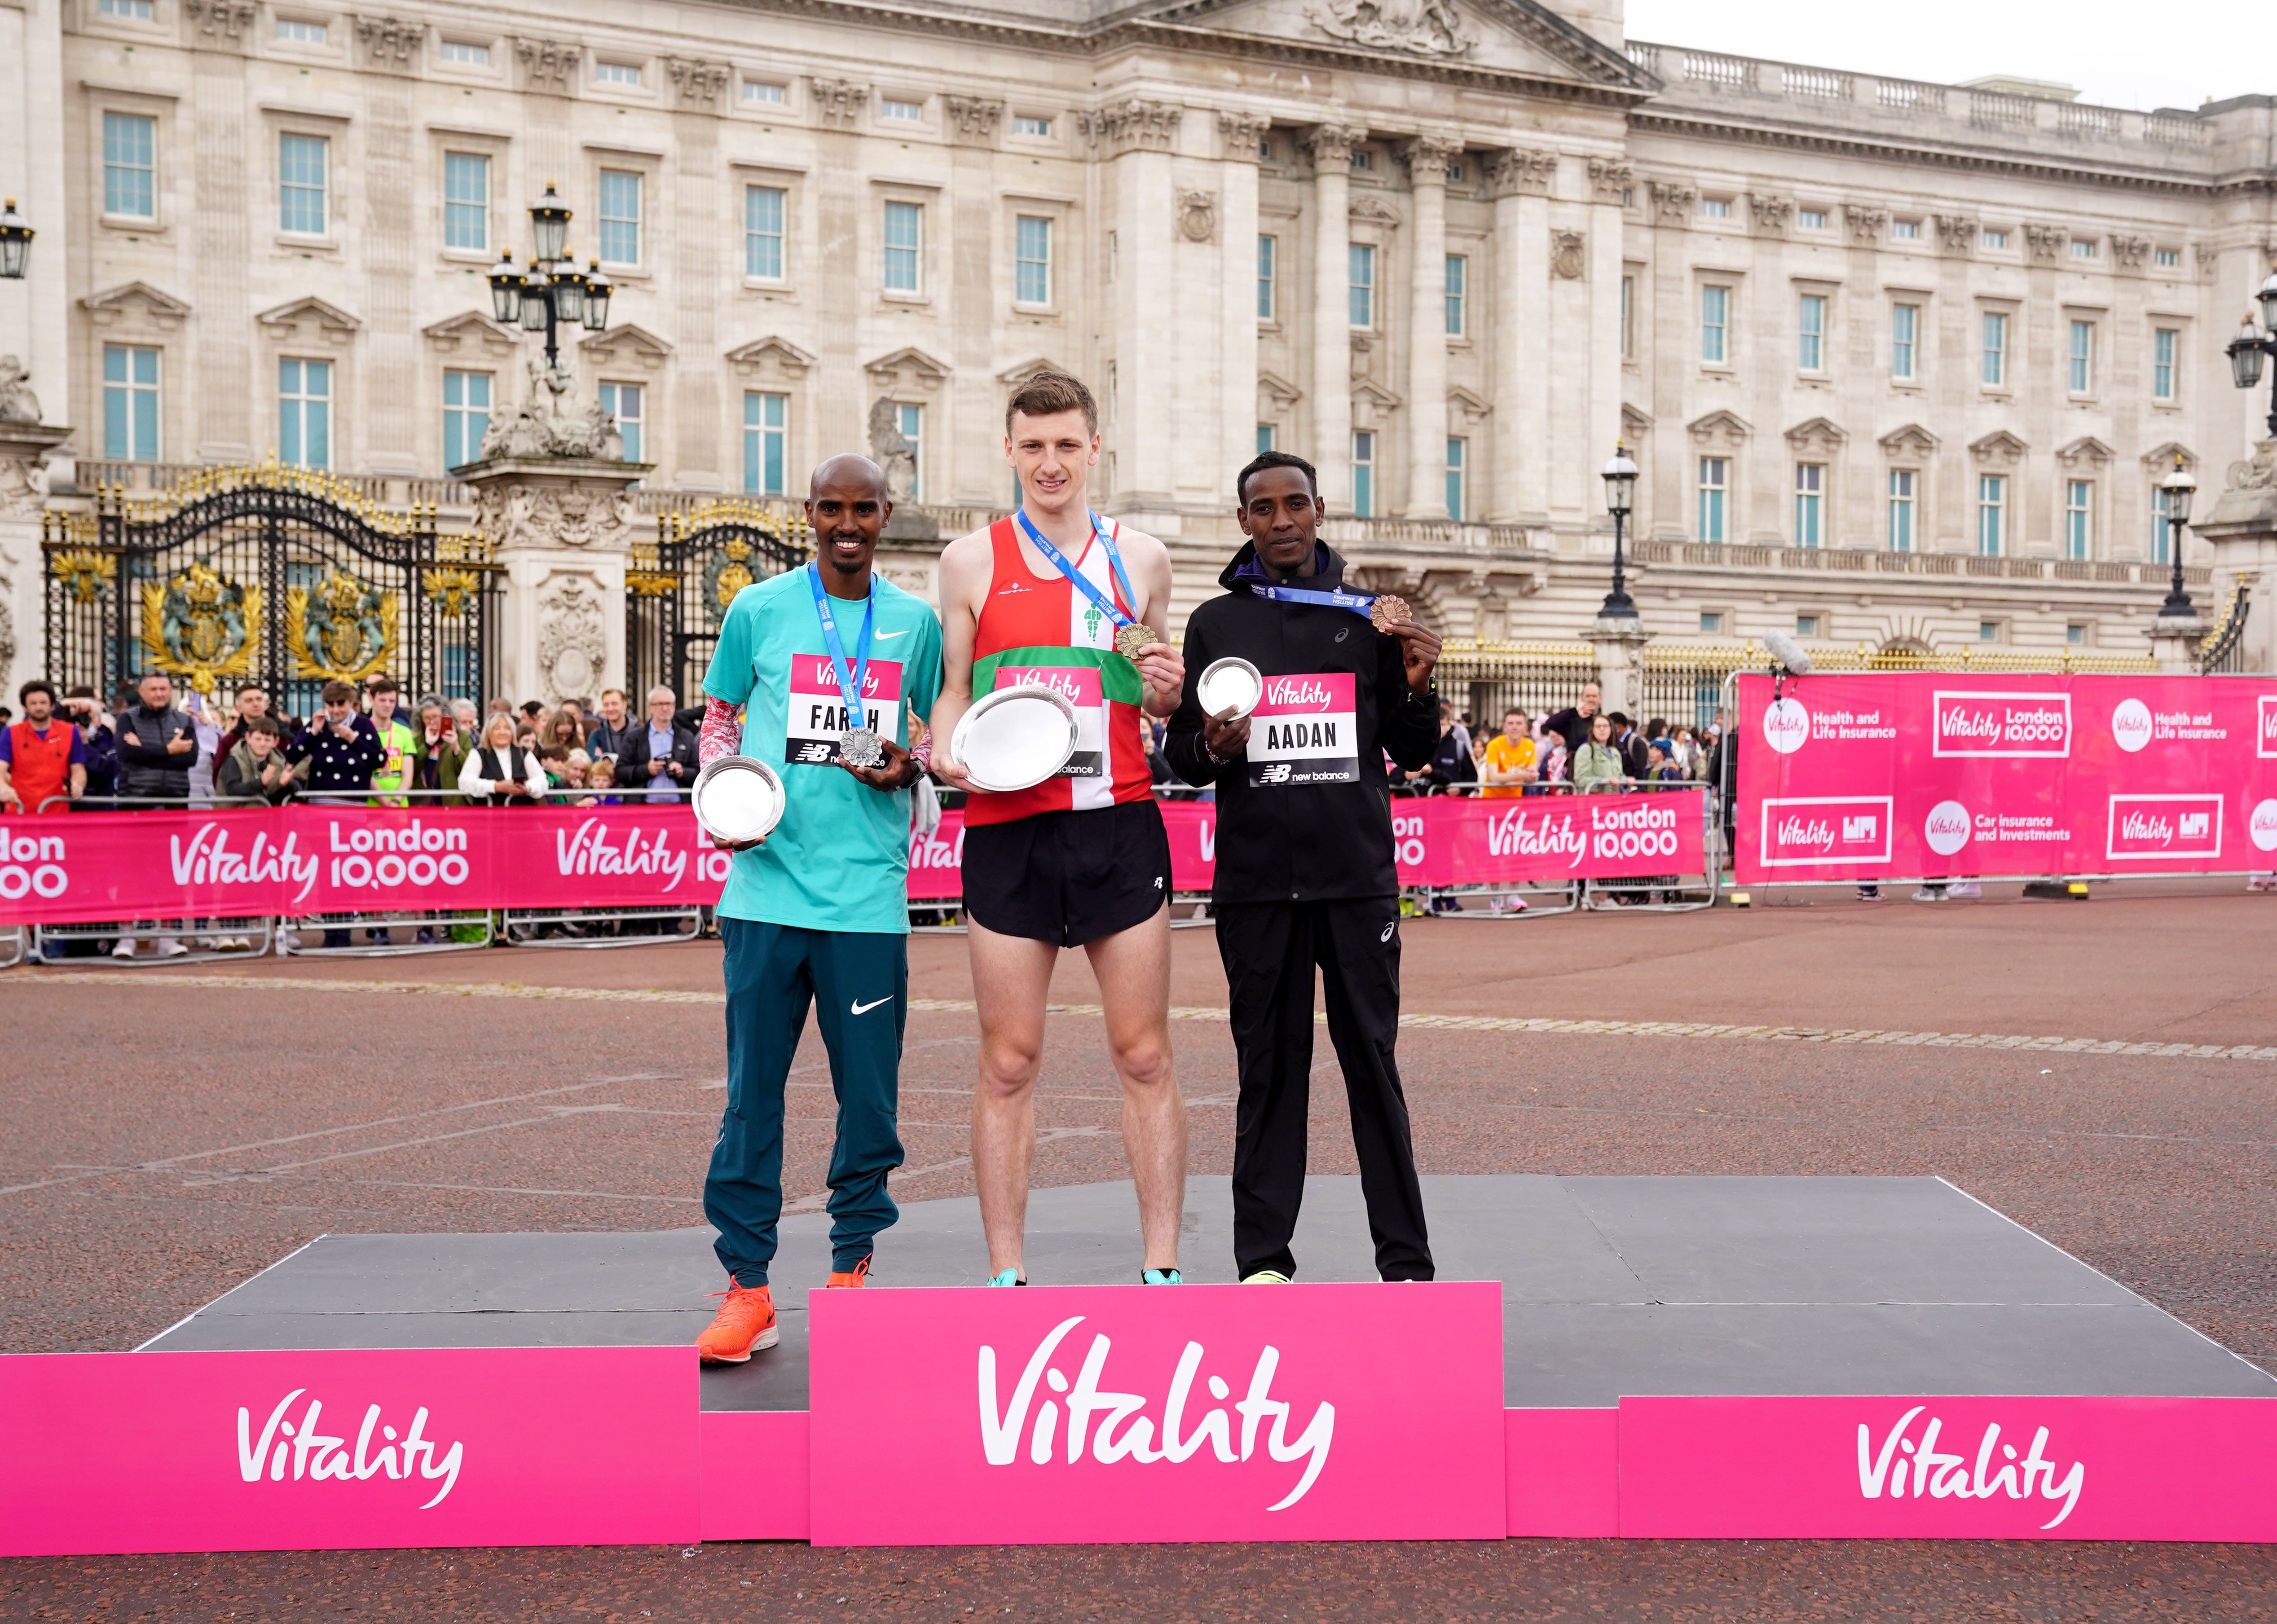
pixel 1715 304
pixel 466 200
pixel 904 245
pixel 1459 269
pixel 302 161
pixel 1995 349
pixel 1267 246
pixel 130 145
pixel 1031 256
pixel 1810 349
pixel 1905 325
pixel 1363 284
pixel 1363 474
pixel 763 232
pixel 621 217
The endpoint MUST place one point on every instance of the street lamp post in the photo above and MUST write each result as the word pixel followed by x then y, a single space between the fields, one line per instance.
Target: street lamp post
pixel 2254 343
pixel 2179 488
pixel 1621 477
pixel 554 290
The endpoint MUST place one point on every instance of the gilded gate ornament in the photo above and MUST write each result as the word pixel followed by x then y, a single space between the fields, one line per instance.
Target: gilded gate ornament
pixel 196 626
pixel 346 633
pixel 452 589
pixel 84 573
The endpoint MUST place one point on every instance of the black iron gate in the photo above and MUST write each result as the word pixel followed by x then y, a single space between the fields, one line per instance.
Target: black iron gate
pixel 677 593
pixel 279 577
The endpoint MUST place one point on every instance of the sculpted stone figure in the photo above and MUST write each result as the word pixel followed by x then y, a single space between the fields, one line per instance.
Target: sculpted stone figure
pixel 17 403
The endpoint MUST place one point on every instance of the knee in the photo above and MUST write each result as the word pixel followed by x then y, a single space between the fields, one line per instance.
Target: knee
pixel 1145 1063
pixel 1008 1070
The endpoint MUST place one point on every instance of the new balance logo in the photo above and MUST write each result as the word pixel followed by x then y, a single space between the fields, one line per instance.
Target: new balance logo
pixel 812 752
pixel 1275 773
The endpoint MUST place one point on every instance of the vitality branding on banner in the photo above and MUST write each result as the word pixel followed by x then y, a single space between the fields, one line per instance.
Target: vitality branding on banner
pixel 2000 724
pixel 32 865
pixel 1809 831
pixel 1124 1432
pixel 296 1449
pixel 366 857
pixel 1303 731
pixel 2146 828
pixel 817 713
pixel 1938 1475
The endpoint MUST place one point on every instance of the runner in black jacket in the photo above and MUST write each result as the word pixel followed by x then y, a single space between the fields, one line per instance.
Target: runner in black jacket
pixel 1305 871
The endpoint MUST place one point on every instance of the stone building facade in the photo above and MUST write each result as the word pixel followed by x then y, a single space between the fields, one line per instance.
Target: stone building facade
pixel 1901 361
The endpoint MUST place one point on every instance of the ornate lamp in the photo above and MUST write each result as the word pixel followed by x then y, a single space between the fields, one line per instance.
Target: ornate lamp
pixel 15 242
pixel 505 290
pixel 598 289
pixel 1620 476
pixel 551 219
pixel 2179 488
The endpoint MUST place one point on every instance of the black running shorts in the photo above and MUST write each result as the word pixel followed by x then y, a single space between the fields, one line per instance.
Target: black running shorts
pixel 1069 877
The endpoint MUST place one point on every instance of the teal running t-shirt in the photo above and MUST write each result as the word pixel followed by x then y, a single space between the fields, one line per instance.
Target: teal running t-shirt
pixel 840 858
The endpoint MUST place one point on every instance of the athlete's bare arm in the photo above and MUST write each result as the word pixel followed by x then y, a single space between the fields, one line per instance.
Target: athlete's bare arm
pixel 1160 666
pixel 966 566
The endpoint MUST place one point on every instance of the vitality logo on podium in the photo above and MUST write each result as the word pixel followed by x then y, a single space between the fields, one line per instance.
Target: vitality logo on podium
pixel 1100 1414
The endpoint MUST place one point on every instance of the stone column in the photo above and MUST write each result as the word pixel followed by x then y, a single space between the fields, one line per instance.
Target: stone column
pixel 34 311
pixel 24 486
pixel 1138 137
pixel 2242 531
pixel 1427 156
pixel 1519 180
pixel 1239 134
pixel 1330 147
pixel 704 449
pixel 1620 663
pixel 562 529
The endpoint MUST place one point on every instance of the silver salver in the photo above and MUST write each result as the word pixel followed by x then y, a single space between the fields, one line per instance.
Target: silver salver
pixel 737 798
pixel 1015 737
pixel 1230 681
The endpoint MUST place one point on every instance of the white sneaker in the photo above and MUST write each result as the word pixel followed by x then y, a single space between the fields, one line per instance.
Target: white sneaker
pixel 1966 889
pixel 1930 894
pixel 168 948
pixel 1265 1276
pixel 2262 883
pixel 124 950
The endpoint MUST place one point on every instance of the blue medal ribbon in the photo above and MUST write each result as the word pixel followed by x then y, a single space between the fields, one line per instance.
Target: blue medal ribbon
pixel 850 678
pixel 1058 560
pixel 1356 602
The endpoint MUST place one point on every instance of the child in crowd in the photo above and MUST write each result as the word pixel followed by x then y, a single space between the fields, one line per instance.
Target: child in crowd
pixel 601 779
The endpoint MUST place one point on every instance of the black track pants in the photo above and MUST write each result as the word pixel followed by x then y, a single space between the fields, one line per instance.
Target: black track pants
pixel 1270 951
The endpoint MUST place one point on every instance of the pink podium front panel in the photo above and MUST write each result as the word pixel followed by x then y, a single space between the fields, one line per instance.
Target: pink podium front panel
pixel 347 1449
pixel 1948 1468
pixel 1098 1414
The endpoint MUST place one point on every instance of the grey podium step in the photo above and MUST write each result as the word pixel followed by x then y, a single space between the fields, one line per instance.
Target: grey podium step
pixel 1611 1286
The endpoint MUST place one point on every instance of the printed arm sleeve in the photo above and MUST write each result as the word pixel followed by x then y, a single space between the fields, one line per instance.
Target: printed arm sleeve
pixel 1409 723
pixel 1182 744
pixel 722 734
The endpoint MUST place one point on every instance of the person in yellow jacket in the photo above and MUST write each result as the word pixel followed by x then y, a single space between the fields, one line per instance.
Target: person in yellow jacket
pixel 400 769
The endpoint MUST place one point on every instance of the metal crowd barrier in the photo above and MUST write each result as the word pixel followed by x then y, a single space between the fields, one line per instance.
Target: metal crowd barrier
pixel 1660 894
pixel 1536 899
pixel 15 946
pixel 202 938
pixel 585 927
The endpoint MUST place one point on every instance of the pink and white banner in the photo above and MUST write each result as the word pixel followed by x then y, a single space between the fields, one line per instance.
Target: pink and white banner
pixel 297 861
pixel 1942 775
pixel 1116 1413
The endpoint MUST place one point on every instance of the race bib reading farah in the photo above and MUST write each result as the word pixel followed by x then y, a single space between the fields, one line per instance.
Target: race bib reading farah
pixel 817 718
pixel 1303 731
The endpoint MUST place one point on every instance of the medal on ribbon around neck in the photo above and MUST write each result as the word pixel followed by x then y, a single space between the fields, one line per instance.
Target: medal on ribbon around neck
pixel 1130 635
pixel 1388 612
pixel 859 745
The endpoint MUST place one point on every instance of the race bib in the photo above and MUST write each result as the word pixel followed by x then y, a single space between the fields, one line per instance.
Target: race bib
pixel 1081 687
pixel 1305 731
pixel 817 717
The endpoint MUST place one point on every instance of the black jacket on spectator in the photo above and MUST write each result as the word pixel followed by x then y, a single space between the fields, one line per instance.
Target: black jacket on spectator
pixel 633 762
pixel 145 767
pixel 1450 764
pixel 1302 842
pixel 339 765
pixel 101 766
pixel 1571 726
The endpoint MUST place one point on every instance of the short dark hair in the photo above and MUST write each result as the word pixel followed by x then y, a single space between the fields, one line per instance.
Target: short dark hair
pixel 264 724
pixel 1264 460
pixel 1618 718
pixel 1047 395
pixel 1514 711
pixel 37 685
pixel 336 692
pixel 381 684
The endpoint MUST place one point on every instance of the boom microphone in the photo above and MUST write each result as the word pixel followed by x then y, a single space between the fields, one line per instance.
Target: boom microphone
pixel 1788 653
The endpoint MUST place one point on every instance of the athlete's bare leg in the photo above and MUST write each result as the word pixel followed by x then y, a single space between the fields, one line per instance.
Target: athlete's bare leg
pixel 1011 980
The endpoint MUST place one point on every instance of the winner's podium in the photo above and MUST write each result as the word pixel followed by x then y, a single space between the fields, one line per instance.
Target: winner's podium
pixel 1742 1357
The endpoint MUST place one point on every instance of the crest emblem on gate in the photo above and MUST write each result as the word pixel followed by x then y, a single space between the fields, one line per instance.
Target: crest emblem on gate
pixel 730 573
pixel 196 626
pixel 344 632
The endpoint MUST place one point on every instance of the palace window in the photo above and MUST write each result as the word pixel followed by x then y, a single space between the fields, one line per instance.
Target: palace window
pixel 1905 337
pixel 1032 259
pixel 303 167
pixel 1458 282
pixel 2165 345
pixel 2080 370
pixel 130 165
pixel 621 216
pixel 625 402
pixel 1904 483
pixel 766 434
pixel 1363 474
pixel 1715 487
pixel 1459 477
pixel 466 200
pixel 1809 504
pixel 763 232
pixel 1992 514
pixel 1810 346
pixel 2079 518
pixel 1268 249
pixel 304 413
pixel 466 416
pixel 1362 259
pixel 130 403
pixel 904 246
pixel 1995 372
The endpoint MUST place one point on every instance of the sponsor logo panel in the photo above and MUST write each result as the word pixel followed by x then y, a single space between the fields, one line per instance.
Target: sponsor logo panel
pixel 1968 722
pixel 1805 831
pixel 2149 828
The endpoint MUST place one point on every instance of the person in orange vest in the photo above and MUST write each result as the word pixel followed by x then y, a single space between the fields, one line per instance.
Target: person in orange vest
pixel 43 759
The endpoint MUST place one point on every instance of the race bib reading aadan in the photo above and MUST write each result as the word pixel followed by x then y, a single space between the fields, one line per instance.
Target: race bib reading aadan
pixel 1305 731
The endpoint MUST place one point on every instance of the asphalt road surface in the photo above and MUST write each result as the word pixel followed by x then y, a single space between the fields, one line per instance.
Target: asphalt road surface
pixel 2105 1073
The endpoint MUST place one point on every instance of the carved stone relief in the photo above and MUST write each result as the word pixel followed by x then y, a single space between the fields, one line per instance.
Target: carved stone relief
pixel 390 41
pixel 1135 125
pixel 1673 202
pixel 1243 131
pixel 840 101
pixel 2047 243
pixel 891 450
pixel 1866 225
pixel 1198 215
pixel 1956 231
pixel 1611 179
pixel 524 516
pixel 17 403
pixel 2130 252
pixel 1520 171
pixel 1414 28
pixel 545 425
pixel 571 645
pixel 1772 211
pixel 548 65
pixel 221 18
pixel 1428 155
pixel 973 119
pixel 1566 258
pixel 700 84
pixel 1330 145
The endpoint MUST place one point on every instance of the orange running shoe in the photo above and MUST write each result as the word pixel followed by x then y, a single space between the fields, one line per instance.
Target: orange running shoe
pixel 746 1322
pixel 859 1275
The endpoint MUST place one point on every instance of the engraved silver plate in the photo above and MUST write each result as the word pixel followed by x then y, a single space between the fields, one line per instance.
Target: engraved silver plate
pixel 861 747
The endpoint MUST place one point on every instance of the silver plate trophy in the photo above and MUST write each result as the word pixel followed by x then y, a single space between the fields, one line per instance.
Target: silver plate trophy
pixel 737 798
pixel 1388 612
pixel 1230 681
pixel 861 747
pixel 1015 737
pixel 1129 639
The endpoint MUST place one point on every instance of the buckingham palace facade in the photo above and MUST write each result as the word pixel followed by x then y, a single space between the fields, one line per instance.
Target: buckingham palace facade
pixel 1857 331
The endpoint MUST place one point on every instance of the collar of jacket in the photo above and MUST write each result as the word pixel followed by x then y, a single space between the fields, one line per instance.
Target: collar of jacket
pixel 1244 571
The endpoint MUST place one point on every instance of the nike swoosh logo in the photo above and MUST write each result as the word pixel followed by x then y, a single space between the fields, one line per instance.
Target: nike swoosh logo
pixel 882 635
pixel 864 1009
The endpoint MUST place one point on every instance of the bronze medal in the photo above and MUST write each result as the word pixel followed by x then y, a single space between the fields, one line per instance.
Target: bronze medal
pixel 1129 639
pixel 1388 612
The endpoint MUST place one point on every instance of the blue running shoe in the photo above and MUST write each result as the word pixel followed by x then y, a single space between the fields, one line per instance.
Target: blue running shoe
pixel 1161 1277
pixel 1010 1277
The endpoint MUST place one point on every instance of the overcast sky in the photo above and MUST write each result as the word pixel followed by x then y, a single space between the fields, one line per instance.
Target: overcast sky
pixel 2165 53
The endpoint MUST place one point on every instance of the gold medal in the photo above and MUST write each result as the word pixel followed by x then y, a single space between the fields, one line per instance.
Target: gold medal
pixel 1388 612
pixel 1129 639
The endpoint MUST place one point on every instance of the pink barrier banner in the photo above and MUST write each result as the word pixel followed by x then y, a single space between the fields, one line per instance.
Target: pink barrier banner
pixel 300 860
pixel 1956 775
pixel 1072 1414
pixel 348 1449
pixel 1948 1468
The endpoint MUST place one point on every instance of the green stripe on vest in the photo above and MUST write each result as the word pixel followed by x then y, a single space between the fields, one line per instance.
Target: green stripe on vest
pixel 1118 678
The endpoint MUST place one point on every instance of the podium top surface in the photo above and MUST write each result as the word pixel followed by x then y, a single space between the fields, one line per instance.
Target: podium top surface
pixel 1611 1286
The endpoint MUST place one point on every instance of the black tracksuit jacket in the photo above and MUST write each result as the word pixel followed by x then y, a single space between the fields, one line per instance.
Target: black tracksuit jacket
pixel 1302 842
